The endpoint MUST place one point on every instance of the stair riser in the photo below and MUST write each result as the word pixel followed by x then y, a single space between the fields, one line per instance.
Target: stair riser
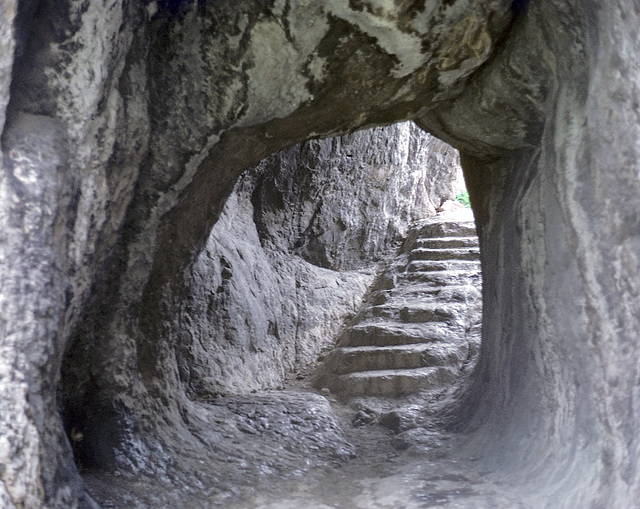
pixel 358 337
pixel 423 293
pixel 433 266
pixel 388 313
pixel 348 386
pixel 417 315
pixel 439 294
pixel 448 230
pixel 443 254
pixel 440 279
pixel 447 243
pixel 341 363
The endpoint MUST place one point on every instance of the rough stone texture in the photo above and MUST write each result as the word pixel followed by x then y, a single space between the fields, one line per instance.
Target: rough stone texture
pixel 252 315
pixel 226 445
pixel 390 177
pixel 8 11
pixel 270 289
pixel 127 125
pixel 558 368
pixel 58 143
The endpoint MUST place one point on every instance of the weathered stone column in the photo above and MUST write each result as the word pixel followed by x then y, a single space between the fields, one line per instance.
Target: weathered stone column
pixel 554 401
pixel 62 119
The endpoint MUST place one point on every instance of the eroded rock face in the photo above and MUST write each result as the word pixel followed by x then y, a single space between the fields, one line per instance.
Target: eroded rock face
pixel 127 125
pixel 560 258
pixel 389 177
pixel 294 252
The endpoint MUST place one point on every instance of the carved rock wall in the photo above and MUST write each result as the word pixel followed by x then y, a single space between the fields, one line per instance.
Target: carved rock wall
pixel 128 124
pixel 390 177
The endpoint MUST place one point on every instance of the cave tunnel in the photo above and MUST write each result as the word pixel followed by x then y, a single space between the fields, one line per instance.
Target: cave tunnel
pixel 126 127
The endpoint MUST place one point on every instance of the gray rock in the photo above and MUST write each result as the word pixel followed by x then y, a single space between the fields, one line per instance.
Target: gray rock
pixel 8 12
pixel 271 289
pixel 151 145
pixel 392 177
pixel 125 126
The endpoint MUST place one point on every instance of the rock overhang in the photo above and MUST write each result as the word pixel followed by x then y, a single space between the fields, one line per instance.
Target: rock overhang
pixel 523 100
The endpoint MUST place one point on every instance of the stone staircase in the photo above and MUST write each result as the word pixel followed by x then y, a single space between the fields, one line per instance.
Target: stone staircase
pixel 420 325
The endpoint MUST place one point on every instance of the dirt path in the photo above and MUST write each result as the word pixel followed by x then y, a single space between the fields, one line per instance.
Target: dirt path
pixel 387 474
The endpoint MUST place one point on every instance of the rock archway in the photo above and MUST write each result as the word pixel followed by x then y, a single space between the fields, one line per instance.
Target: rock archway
pixel 126 124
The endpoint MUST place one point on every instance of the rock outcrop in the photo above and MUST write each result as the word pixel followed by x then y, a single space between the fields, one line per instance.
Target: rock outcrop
pixel 126 124
pixel 256 308
pixel 295 250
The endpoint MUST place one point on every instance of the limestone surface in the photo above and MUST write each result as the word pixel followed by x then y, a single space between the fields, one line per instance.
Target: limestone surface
pixel 125 126
pixel 295 250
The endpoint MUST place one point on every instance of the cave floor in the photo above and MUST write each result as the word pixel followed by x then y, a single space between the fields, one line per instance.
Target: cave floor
pixel 418 469
pixel 421 468
pixel 427 471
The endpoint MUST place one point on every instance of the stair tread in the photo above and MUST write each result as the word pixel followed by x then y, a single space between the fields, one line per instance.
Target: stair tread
pixel 450 272
pixel 469 249
pixel 392 382
pixel 426 288
pixel 395 326
pixel 444 253
pixel 441 265
pixel 447 229
pixel 388 332
pixel 419 304
pixel 388 373
pixel 344 360
pixel 407 347
pixel 446 243
pixel 440 277
pixel 434 311
pixel 448 239
pixel 430 305
pixel 435 293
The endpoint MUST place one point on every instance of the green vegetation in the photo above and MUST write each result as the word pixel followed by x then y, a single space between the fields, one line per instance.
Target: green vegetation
pixel 463 197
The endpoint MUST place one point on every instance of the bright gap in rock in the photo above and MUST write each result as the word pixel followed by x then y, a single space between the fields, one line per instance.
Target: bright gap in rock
pixel 360 241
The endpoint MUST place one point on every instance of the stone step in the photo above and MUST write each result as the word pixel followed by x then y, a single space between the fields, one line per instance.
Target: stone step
pixel 442 277
pixel 414 293
pixel 425 253
pixel 446 242
pixel 433 312
pixel 417 311
pixel 384 333
pixel 430 292
pixel 448 229
pixel 370 358
pixel 392 382
pixel 435 265
pixel 417 291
